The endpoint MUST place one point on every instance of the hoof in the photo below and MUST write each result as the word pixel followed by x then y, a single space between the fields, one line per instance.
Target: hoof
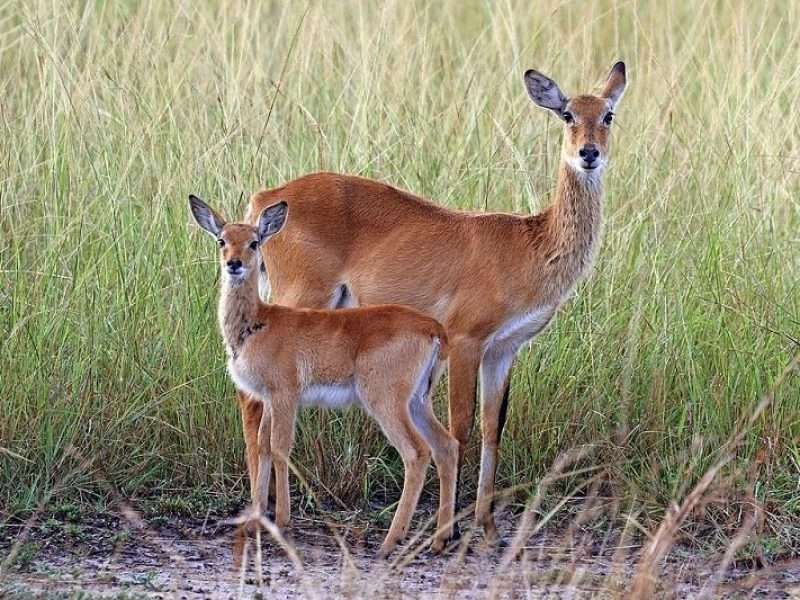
pixel 490 533
pixel 445 545
pixel 386 549
pixel 251 527
pixel 438 546
pixel 456 535
pixel 501 543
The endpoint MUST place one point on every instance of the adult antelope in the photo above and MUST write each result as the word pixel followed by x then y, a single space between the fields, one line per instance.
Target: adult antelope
pixel 494 280
pixel 384 358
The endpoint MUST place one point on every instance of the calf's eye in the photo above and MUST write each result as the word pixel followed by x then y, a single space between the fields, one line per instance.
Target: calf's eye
pixel 568 118
pixel 221 242
pixel 253 245
pixel 608 118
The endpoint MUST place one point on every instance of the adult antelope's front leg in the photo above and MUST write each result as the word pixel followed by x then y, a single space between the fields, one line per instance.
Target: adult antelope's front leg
pixel 462 385
pixel 284 413
pixel 495 385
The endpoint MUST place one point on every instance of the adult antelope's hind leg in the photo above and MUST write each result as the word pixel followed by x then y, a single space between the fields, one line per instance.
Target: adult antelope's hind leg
pixel 495 386
pixel 462 385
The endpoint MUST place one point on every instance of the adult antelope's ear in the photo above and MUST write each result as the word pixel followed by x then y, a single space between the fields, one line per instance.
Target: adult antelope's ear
pixel 205 216
pixel 545 92
pixel 615 85
pixel 271 220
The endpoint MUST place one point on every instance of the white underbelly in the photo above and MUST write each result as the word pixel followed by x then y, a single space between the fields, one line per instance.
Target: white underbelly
pixel 502 346
pixel 329 395
pixel 518 330
pixel 323 395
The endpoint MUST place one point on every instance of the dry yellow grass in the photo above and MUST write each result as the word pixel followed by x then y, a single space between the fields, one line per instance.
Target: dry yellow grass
pixel 111 113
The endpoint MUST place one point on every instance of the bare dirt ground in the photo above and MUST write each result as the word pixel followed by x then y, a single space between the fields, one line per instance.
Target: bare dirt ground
pixel 189 559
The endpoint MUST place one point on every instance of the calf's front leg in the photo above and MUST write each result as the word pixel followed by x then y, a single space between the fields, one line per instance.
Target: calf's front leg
pixel 284 414
pixel 264 447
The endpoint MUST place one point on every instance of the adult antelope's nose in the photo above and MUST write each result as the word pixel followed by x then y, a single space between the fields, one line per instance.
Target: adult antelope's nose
pixel 589 153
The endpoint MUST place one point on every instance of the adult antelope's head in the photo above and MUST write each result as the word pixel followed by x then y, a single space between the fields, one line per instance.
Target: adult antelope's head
pixel 239 242
pixel 587 119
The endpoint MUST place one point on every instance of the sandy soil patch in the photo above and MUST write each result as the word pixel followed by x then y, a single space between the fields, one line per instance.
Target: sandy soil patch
pixel 196 560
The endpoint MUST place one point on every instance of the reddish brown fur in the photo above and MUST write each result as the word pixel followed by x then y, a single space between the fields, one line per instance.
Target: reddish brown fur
pixel 589 127
pixel 377 356
pixel 474 272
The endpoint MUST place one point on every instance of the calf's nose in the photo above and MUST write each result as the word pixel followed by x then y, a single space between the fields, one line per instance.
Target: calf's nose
pixel 589 153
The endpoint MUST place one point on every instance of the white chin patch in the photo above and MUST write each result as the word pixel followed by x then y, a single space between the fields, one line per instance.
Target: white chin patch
pixel 238 278
pixel 577 166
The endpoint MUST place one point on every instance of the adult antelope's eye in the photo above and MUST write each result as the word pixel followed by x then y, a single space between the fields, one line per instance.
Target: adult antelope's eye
pixel 221 242
pixel 568 118
pixel 608 118
pixel 253 245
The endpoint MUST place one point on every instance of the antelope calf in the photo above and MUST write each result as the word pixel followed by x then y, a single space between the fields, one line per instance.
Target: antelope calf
pixel 384 358
pixel 494 280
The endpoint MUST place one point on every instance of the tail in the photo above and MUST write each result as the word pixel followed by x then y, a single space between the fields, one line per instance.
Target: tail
pixel 431 370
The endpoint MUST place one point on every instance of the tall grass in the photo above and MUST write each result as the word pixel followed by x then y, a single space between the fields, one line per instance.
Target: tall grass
pixel 111 113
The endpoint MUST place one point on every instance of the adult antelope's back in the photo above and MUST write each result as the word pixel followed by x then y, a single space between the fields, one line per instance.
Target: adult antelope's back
pixel 494 280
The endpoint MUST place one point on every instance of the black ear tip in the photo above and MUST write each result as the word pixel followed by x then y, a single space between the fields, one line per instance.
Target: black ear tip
pixel 532 74
pixel 619 66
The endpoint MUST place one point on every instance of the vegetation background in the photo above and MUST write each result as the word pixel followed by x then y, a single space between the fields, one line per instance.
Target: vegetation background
pixel 112 369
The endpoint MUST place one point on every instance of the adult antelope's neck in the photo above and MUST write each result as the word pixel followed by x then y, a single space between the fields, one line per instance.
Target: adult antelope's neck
pixel 238 308
pixel 576 214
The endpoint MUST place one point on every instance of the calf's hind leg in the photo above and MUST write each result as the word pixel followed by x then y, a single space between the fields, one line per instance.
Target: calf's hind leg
pixel 394 420
pixel 444 448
